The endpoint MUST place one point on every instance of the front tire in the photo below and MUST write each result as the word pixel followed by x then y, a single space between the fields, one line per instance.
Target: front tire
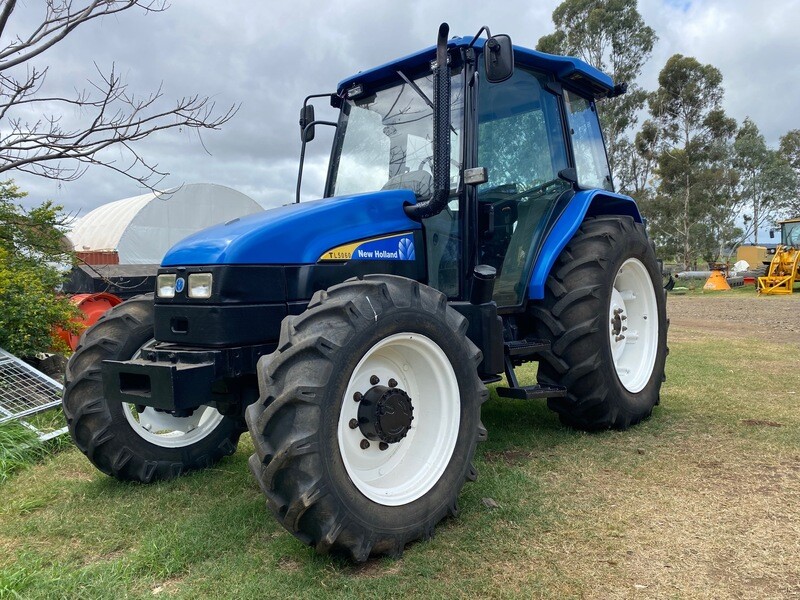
pixel 368 417
pixel 604 313
pixel 117 438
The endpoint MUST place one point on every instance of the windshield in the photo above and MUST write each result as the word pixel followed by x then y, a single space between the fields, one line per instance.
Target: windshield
pixel 791 235
pixel 385 140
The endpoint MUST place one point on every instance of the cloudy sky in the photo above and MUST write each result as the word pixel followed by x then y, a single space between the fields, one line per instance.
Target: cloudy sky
pixel 268 55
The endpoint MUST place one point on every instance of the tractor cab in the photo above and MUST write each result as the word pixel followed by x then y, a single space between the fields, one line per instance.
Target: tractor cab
pixel 519 146
pixel 790 233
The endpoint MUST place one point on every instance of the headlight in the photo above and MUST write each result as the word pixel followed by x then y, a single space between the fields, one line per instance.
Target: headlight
pixel 200 285
pixel 165 286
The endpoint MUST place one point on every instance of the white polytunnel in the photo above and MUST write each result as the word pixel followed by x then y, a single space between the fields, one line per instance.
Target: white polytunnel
pixel 141 229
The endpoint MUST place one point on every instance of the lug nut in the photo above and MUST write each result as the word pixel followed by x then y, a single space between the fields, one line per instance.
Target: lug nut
pixel 357 396
pixel 364 444
pixel 383 446
pixel 353 423
pixel 392 383
pixel 374 380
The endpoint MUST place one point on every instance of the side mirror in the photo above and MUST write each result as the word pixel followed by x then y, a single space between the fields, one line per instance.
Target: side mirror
pixel 772 234
pixel 498 56
pixel 306 117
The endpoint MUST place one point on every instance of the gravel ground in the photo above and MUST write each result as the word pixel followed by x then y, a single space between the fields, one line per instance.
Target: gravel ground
pixel 737 314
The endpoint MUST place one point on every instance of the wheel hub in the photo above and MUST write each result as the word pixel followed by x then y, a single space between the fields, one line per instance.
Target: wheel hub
pixel 385 414
pixel 618 317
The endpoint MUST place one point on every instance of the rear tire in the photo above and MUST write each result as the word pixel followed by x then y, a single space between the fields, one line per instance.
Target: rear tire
pixel 119 441
pixel 331 487
pixel 604 313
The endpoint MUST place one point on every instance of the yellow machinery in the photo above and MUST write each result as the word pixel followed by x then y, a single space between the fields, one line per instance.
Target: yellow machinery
pixel 783 270
pixel 753 255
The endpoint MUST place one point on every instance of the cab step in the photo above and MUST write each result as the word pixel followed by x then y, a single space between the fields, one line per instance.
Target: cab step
pixel 526 348
pixel 532 392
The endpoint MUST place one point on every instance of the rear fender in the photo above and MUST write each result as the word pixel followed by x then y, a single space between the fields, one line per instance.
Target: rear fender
pixel 586 203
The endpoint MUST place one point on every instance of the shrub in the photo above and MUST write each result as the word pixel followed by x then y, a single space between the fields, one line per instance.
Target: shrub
pixel 32 253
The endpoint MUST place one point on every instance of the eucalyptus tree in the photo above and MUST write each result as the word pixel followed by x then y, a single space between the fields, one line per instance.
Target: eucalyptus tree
pixel 767 185
pixel 611 36
pixel 695 195
pixel 790 151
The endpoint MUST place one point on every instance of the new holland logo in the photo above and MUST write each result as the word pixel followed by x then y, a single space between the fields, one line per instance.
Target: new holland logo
pixel 405 249
pixel 179 283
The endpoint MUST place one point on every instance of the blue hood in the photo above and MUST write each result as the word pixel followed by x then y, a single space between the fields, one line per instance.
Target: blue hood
pixel 295 234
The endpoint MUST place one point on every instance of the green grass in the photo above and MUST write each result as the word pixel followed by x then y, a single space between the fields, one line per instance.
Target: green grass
pixel 702 500
pixel 19 448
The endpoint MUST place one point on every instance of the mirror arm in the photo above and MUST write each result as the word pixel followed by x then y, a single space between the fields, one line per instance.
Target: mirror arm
pixel 477 35
pixel 305 104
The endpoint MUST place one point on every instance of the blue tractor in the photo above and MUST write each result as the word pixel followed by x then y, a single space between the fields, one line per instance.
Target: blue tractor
pixel 468 226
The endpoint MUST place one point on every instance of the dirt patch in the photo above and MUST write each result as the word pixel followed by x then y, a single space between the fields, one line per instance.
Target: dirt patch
pixel 722 527
pixel 757 422
pixel 508 457
pixel 289 565
pixel 376 568
pixel 736 315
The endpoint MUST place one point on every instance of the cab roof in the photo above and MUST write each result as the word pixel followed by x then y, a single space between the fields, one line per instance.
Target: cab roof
pixel 566 69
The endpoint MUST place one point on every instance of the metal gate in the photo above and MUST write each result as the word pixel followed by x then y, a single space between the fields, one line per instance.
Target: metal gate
pixel 24 391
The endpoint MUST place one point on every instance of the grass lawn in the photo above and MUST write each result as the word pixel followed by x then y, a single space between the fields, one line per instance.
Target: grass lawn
pixel 700 501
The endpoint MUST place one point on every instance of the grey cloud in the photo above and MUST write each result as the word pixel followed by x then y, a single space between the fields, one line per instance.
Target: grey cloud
pixel 268 56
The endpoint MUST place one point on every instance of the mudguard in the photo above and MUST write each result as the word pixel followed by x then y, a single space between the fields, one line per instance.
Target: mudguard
pixel 586 203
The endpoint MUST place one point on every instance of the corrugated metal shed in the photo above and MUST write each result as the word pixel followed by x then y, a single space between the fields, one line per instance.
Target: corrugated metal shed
pixel 141 229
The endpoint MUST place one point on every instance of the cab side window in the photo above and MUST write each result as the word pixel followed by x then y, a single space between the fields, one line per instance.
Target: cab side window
pixel 591 161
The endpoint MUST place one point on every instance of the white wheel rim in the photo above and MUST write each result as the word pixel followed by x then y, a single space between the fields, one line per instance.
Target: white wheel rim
pixel 407 469
pixel 168 431
pixel 633 329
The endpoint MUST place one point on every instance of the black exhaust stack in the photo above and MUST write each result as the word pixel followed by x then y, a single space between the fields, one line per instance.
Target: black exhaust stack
pixel 441 134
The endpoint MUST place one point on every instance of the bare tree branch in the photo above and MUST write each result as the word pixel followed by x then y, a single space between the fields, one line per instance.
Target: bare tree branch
pixel 8 8
pixel 112 116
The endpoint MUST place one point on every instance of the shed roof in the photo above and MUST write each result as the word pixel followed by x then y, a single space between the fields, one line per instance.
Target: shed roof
pixel 142 228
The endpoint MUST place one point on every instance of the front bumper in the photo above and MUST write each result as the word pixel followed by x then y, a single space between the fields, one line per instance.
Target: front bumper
pixel 174 378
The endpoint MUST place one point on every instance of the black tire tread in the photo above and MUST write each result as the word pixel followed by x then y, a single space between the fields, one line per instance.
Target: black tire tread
pixel 287 462
pixel 98 432
pixel 590 404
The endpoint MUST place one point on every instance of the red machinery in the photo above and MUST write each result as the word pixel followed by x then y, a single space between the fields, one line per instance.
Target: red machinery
pixel 92 306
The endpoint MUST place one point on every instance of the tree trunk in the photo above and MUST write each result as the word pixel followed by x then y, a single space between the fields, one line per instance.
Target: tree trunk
pixel 686 225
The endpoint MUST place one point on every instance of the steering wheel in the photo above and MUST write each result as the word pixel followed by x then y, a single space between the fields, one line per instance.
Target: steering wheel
pixel 536 189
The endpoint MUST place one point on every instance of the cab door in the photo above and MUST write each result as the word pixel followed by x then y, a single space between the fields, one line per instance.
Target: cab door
pixel 521 143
